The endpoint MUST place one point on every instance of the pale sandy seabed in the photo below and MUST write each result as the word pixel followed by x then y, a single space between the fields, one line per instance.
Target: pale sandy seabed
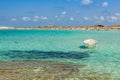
pixel 48 70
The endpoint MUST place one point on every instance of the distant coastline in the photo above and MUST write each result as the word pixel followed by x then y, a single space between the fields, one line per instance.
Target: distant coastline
pixel 96 27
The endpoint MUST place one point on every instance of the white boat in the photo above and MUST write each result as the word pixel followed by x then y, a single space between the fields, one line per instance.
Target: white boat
pixel 90 43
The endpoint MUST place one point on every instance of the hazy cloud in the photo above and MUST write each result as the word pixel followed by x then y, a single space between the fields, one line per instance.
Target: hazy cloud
pixel 117 14
pixel 95 17
pixel 102 18
pixel 86 2
pixel 71 19
pixel 43 18
pixel 36 18
pixel 105 4
pixel 113 18
pixel 85 18
pixel 14 19
pixel 61 15
pixel 26 18
pixel 64 13
pixel 58 19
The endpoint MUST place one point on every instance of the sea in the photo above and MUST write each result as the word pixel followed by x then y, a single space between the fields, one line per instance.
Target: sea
pixel 64 46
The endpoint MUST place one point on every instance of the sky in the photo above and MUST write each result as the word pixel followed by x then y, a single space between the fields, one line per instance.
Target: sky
pixel 27 13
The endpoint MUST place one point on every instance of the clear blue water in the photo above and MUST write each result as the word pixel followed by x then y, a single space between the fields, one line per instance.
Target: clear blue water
pixel 63 46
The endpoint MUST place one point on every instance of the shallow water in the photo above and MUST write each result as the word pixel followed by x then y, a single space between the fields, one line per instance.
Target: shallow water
pixel 63 46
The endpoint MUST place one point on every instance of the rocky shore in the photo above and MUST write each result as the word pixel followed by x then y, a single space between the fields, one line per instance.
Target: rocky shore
pixel 96 27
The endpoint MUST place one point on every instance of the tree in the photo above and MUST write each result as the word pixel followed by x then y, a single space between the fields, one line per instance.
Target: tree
pixel 99 25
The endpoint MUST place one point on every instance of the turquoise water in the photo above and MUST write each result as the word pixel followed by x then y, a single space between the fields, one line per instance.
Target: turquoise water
pixel 63 46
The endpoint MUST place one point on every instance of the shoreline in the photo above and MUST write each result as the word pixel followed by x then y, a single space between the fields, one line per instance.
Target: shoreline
pixel 65 28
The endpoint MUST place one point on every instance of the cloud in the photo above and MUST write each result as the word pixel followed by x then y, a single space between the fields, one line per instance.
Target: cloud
pixel 105 4
pixel 117 14
pixel 36 18
pixel 58 19
pixel 113 18
pixel 102 18
pixel 26 18
pixel 85 18
pixel 86 2
pixel 64 13
pixel 98 19
pixel 44 18
pixel 95 17
pixel 60 16
pixel 71 19
pixel 14 19
pixel 56 16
